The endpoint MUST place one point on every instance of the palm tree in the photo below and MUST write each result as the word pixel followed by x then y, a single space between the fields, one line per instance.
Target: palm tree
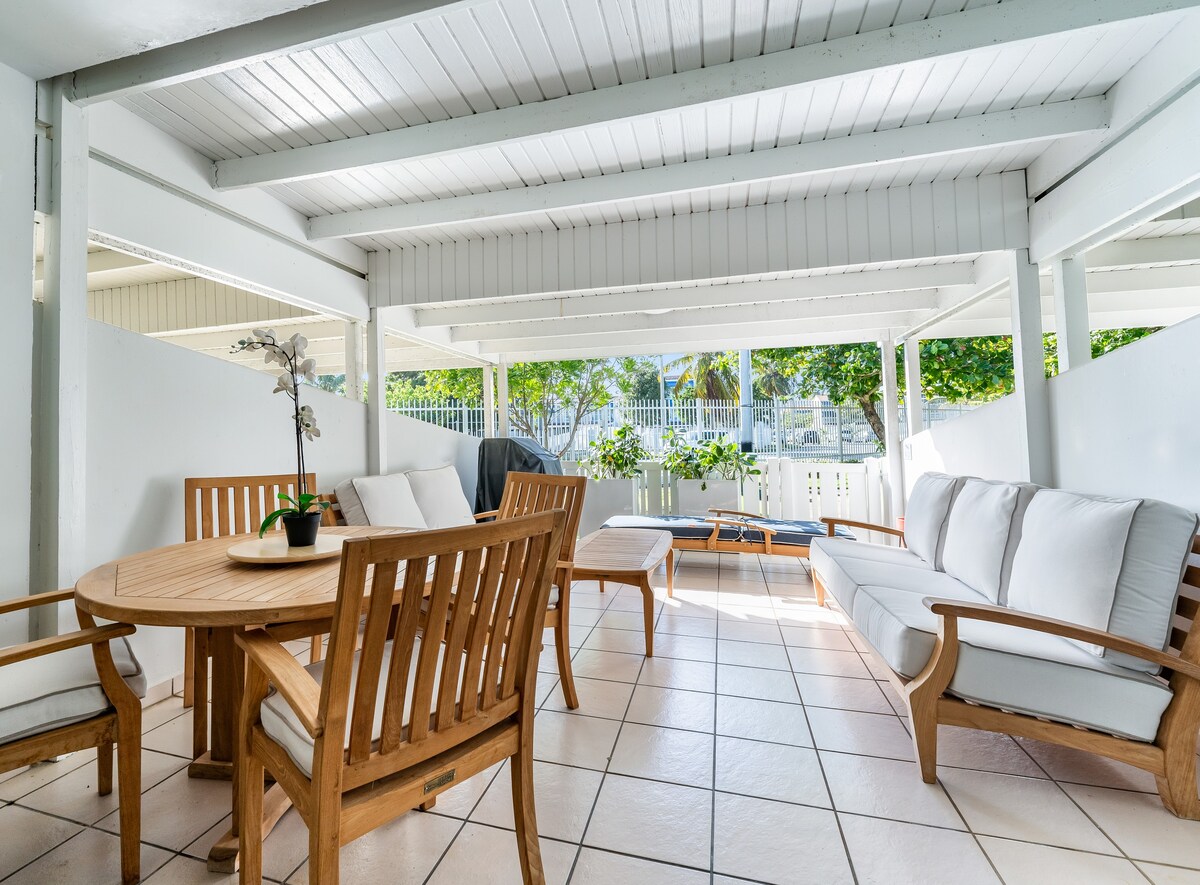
pixel 715 375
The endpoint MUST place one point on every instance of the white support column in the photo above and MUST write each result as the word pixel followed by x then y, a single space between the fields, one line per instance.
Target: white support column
pixel 914 398
pixel 502 396
pixel 746 402
pixel 60 435
pixel 376 395
pixel 891 428
pixel 1072 329
pixel 1029 366
pixel 489 402
pixel 356 367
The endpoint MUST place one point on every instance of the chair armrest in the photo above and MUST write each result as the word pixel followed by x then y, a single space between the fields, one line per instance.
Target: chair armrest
pixel 719 510
pixel 299 689
pixel 766 530
pixel 35 599
pixel 487 514
pixel 953 609
pixel 41 647
pixel 831 522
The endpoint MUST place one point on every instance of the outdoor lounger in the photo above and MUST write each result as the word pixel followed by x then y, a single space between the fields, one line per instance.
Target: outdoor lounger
pixel 731 531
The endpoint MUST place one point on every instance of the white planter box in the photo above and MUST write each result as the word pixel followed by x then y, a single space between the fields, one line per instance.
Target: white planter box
pixel 606 498
pixel 692 500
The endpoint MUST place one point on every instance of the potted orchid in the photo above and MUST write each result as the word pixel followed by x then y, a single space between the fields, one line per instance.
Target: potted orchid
pixel 302 519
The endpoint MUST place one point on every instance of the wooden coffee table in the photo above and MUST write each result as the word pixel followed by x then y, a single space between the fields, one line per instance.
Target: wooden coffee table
pixel 627 556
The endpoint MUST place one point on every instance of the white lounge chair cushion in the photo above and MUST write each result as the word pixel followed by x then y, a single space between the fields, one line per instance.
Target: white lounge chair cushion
pixel 280 722
pixel 982 532
pixel 440 496
pixel 926 514
pixel 352 509
pixel 389 501
pixel 59 689
pixel 844 565
pixel 1069 559
pixel 1014 669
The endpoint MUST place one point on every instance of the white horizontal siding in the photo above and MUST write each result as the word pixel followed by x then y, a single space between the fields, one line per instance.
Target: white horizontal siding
pixel 920 221
pixel 184 304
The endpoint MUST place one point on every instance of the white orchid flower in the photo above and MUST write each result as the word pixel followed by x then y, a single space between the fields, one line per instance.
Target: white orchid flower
pixel 285 384
pixel 259 333
pixel 308 370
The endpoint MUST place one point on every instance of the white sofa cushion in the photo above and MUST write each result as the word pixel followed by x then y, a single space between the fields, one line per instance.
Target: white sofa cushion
pixel 844 565
pixel 982 533
pixel 1015 669
pixel 926 514
pixel 389 501
pixel 352 509
pixel 440 496
pixel 1069 559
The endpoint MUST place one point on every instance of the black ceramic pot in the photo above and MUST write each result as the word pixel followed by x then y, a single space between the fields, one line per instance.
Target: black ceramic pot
pixel 301 529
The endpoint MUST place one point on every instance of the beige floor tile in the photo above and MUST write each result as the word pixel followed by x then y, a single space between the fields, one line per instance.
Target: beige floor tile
pixel 770 771
pixel 801 612
pixel 284 849
pixel 574 740
pixel 461 800
pixel 178 810
pixel 189 871
pixel 1022 808
pixel 162 712
pixel 547 683
pixel 581 618
pixel 665 822
pixel 1140 825
pixel 624 641
pixel 564 797
pixel 674 673
pixel 892 853
pixel 749 627
pixel 605 868
pixel 1023 863
pixel 174 737
pixel 763 721
pixel 27 835
pixel 985 751
pixel 1161 874
pixel 597 697
pixel 672 708
pixel 1077 767
pixel 816 637
pixel 90 857
pixel 754 682
pixel 590 664
pixel 621 621
pixel 74 796
pixel 680 625
pixel 689 648
pixel 488 856
pixel 870 734
pixel 841 693
pixel 752 654
pixel 887 788
pixel 761 840
pixel 827 662
pixel 664 754
pixel 26 780
pixel 632 604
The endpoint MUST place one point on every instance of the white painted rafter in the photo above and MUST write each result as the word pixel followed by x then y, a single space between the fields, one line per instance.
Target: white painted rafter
pixel 984 28
pixel 101 263
pixel 1148 251
pixel 926 140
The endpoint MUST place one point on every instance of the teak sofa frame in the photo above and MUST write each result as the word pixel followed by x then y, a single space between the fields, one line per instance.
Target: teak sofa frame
pixel 1171 757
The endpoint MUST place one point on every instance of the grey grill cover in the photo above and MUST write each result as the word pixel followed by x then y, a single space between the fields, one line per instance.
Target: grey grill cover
pixel 499 456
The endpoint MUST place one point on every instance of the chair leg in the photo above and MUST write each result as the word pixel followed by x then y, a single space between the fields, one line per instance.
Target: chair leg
pixel 323 850
pixel 524 812
pixel 923 716
pixel 562 644
pixel 316 648
pixel 104 768
pixel 1177 787
pixel 129 792
pixel 249 777
pixel 648 615
pixel 189 666
pixel 820 588
pixel 429 804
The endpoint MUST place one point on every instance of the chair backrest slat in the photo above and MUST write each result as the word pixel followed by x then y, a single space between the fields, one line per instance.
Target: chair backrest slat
pixel 407 622
pixel 217 506
pixel 526 493
pixel 371 660
pixel 456 638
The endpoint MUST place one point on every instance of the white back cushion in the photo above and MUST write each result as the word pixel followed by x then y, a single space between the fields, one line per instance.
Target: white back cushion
pixel 352 509
pixel 925 515
pixel 1069 559
pixel 977 535
pixel 388 501
pixel 440 496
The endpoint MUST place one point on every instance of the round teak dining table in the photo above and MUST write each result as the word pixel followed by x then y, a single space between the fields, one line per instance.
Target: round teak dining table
pixel 197 585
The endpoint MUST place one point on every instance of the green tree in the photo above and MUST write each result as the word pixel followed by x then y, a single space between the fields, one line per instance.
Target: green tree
pixel 775 370
pixel 1103 341
pixel 714 375
pixel 638 378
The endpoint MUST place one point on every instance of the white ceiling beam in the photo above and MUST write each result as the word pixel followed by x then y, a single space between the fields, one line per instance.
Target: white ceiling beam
pixel 400 321
pixel 102 262
pixel 1150 250
pixel 759 291
pixel 852 151
pixel 304 28
pixel 991 276
pixel 1143 279
pixel 861 306
pixel 984 28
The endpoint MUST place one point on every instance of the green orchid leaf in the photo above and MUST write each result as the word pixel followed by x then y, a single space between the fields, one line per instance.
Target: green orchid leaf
pixel 272 518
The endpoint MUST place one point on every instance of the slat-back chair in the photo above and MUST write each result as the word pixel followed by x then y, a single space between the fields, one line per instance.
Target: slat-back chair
pixel 457 695
pixel 526 493
pixel 214 507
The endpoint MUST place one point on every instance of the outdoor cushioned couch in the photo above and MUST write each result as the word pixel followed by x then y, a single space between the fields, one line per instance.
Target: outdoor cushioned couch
pixel 1037 612
pixel 418 499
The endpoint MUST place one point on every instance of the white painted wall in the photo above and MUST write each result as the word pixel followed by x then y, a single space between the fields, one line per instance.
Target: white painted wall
pixel 16 319
pixel 418 445
pixel 984 442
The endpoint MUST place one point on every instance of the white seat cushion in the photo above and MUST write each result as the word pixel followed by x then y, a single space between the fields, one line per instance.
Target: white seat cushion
pixel 843 565
pixel 926 513
pixel 1014 669
pixel 389 501
pixel 59 689
pixel 440 496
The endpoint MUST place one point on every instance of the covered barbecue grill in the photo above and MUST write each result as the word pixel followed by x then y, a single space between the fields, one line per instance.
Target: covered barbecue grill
pixel 499 456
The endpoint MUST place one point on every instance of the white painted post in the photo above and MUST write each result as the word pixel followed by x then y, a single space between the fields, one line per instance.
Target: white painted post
pixel 377 450
pixel 60 438
pixel 914 399
pixel 746 402
pixel 489 402
pixel 502 396
pixel 891 428
pixel 1072 329
pixel 356 367
pixel 1030 388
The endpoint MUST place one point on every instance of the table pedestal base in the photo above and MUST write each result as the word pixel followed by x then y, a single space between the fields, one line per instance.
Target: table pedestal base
pixel 204 766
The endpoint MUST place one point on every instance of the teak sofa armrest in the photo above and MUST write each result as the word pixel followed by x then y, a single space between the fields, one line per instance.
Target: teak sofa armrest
pixel 35 599
pixel 831 522
pixel 998 614
pixel 40 647
pixel 299 689
pixel 487 514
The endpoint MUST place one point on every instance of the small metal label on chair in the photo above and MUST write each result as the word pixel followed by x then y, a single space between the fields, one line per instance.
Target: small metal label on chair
pixel 440 781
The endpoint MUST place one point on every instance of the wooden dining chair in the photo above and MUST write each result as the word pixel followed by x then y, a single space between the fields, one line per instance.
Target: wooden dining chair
pixel 48 691
pixel 214 507
pixel 526 493
pixel 367 735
